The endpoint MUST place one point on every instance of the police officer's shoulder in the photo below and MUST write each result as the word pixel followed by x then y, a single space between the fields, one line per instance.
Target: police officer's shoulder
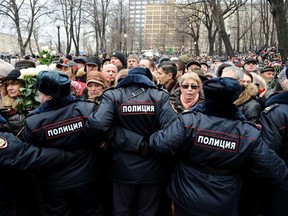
pixel 252 124
pixel 270 108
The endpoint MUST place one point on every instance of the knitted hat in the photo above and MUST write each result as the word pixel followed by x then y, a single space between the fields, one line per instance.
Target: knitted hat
pixel 22 64
pixel 5 68
pixel 141 71
pixel 13 75
pixel 96 77
pixel 53 83
pixel 121 57
pixel 225 90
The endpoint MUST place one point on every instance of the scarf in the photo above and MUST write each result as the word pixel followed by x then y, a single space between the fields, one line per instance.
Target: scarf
pixel 189 103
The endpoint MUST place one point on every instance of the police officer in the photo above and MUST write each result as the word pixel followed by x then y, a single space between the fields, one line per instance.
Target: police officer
pixel 214 142
pixel 274 121
pixel 59 123
pixel 14 154
pixel 135 104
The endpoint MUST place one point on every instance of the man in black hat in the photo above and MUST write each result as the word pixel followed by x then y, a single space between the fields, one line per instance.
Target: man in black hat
pixel 80 61
pixel 93 63
pixel 250 65
pixel 267 73
pixel 119 60
pixel 193 65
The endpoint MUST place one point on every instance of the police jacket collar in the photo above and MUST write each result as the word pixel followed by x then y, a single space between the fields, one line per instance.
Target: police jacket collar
pixel 231 112
pixel 281 98
pixel 136 79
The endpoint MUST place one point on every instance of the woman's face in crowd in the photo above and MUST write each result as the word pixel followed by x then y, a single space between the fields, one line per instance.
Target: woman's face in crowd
pixel 190 88
pixel 94 89
pixel 13 89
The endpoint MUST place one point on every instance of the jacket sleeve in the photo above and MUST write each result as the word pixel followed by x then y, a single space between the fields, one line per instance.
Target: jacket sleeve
pixel 270 132
pixel 252 114
pixel 167 113
pixel 170 139
pixel 100 122
pixel 19 155
pixel 265 163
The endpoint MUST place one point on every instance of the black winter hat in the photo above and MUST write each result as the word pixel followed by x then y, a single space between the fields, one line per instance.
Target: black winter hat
pixel 121 57
pixel 93 60
pixel 222 89
pixel 141 71
pixel 249 60
pixel 54 83
pixel 22 64
pixel 193 63
pixel 13 75
pixel 80 60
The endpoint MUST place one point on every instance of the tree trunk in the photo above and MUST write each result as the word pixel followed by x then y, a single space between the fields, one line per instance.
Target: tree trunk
pixel 277 10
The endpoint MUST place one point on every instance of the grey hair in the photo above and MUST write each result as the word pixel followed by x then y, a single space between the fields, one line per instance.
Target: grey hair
pixel 239 74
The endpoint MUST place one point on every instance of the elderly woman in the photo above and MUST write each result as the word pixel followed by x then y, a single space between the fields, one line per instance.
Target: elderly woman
pixel 10 91
pixel 190 92
pixel 96 85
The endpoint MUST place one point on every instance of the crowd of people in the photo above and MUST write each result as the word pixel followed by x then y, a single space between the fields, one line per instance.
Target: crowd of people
pixel 128 135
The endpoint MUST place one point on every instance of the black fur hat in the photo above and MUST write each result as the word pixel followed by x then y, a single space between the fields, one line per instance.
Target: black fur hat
pixel 225 90
pixel 53 83
pixel 13 75
pixel 141 71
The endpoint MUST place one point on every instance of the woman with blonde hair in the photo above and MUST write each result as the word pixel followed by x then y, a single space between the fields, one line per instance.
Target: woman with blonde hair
pixel 190 92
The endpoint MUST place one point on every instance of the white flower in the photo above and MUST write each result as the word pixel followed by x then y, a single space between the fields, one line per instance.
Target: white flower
pixel 36 53
pixel 45 48
pixel 44 56
pixel 42 68
pixel 27 72
pixel 53 52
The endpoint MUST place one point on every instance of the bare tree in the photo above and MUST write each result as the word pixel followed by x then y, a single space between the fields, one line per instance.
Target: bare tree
pixel 24 15
pixel 279 14
pixel 220 11
pixel 188 21
pixel 98 14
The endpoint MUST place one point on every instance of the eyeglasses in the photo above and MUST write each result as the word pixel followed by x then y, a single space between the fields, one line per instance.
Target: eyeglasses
pixel 186 86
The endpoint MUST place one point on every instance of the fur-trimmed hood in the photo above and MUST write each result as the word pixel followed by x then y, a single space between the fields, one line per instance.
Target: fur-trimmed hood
pixel 249 91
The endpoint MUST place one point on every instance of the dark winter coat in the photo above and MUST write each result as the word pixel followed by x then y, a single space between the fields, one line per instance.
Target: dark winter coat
pixel 60 124
pixel 136 105
pixel 274 121
pixel 14 154
pixel 212 151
